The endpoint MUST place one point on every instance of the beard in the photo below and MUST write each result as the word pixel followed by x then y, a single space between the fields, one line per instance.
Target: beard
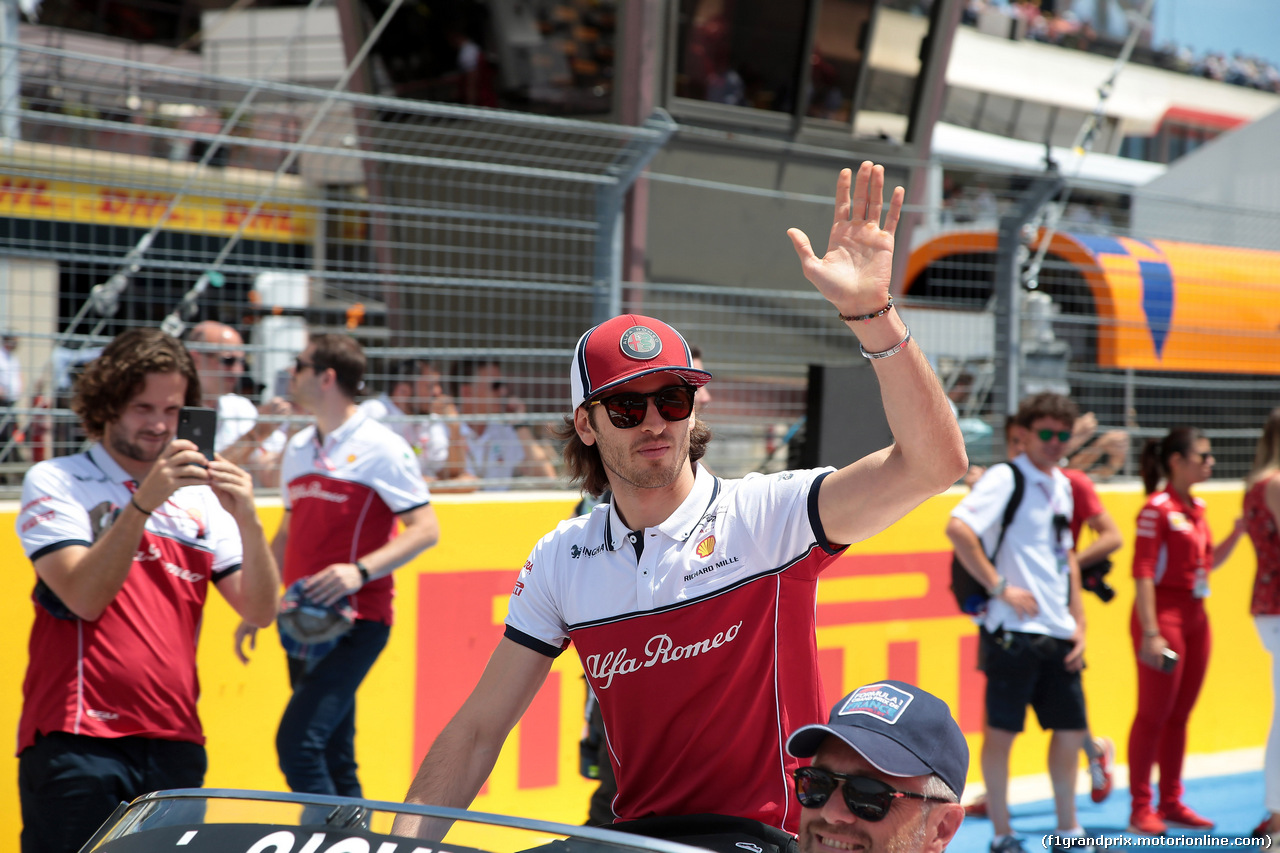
pixel 624 464
pixel 131 450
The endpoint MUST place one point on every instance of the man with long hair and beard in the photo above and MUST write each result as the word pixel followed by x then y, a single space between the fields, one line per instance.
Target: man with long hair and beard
pixel 691 598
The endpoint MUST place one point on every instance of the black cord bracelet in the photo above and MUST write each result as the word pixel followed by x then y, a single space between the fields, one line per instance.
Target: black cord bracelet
pixel 133 501
pixel 850 318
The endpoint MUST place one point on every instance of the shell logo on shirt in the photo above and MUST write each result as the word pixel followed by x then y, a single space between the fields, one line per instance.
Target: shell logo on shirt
pixel 706 546
pixel 1178 521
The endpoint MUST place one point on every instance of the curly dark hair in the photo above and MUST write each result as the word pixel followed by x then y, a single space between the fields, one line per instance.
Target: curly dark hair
pixel 582 462
pixel 112 379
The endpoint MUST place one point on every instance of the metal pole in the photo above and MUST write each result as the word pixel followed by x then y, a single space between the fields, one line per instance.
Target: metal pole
pixel 1010 253
pixel 10 74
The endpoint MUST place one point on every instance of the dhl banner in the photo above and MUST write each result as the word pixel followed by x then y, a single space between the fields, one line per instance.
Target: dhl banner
pixel 96 204
pixel 1160 304
pixel 884 611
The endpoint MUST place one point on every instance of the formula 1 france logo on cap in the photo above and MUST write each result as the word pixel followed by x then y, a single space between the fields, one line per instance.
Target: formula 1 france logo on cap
pixel 882 701
pixel 640 342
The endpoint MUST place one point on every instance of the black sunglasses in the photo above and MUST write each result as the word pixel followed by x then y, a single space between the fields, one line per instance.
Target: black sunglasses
pixel 299 365
pixel 627 410
pixel 867 798
pixel 1047 434
pixel 230 360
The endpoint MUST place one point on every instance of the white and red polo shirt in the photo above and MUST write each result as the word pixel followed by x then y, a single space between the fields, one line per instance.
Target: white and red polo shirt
pixel 131 671
pixel 699 645
pixel 343 496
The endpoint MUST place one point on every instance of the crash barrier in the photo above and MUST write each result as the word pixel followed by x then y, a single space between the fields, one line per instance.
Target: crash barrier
pixel 884 611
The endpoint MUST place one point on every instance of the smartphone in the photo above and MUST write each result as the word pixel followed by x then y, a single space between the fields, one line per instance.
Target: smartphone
pixel 281 386
pixel 199 425
pixel 1168 660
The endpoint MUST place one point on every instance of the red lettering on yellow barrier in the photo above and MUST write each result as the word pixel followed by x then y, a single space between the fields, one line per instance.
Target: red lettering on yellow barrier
pixel 937 602
pixel 904 661
pixel 456 635
pixel 973 687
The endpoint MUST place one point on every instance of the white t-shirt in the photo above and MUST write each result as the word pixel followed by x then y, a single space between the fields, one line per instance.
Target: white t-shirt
pixel 10 376
pixel 1034 553
pixel 494 454
pixel 236 416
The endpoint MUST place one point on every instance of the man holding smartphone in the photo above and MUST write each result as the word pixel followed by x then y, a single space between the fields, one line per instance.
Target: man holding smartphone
pixel 126 539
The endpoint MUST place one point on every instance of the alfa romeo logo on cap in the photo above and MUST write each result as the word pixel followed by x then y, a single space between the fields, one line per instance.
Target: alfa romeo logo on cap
pixel 640 342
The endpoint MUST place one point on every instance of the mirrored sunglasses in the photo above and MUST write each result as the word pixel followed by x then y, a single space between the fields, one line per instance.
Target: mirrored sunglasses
pixel 627 410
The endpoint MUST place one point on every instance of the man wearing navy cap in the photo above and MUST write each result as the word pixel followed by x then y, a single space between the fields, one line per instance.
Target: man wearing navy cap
pixel 685 593
pixel 888 771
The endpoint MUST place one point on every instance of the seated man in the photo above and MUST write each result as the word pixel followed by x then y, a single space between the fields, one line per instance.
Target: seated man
pixel 899 762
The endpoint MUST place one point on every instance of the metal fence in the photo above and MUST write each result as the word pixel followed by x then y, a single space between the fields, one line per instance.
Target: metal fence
pixel 133 193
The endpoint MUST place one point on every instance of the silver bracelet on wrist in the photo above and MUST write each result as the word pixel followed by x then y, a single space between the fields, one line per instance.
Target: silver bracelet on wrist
pixel 894 350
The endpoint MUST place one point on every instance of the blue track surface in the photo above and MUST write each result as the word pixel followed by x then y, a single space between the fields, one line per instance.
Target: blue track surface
pixel 1234 802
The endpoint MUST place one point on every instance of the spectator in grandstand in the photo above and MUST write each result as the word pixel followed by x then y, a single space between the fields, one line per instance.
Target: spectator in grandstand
pixel 1032 634
pixel 347 480
pixel 682 557
pixel 1262 520
pixel 1173 553
pixel 248 436
pixel 494 449
pixel 126 538
pixel 10 396
pixel 1101 456
pixel 411 404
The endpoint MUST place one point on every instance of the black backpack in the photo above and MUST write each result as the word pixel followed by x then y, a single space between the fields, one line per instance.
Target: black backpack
pixel 971 596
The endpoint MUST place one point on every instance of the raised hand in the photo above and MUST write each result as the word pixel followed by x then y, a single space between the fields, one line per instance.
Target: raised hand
pixel 180 464
pixel 233 487
pixel 855 272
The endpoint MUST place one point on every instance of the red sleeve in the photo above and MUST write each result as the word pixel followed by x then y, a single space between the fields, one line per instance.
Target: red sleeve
pixel 1085 501
pixel 1147 540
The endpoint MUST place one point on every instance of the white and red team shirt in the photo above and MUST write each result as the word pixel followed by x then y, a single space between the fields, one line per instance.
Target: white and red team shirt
pixel 343 498
pixel 702 654
pixel 1172 543
pixel 131 671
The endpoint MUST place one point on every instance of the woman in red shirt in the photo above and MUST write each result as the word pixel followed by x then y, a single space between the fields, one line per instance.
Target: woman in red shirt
pixel 1173 554
pixel 1261 511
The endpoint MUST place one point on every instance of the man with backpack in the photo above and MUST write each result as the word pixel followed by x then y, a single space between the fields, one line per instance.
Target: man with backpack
pixel 1032 633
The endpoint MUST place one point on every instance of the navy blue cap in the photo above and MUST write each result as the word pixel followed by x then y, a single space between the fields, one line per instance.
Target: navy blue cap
pixel 897 727
pixel 309 622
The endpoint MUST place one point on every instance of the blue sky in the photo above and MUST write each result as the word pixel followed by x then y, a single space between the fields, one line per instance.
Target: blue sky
pixel 1221 25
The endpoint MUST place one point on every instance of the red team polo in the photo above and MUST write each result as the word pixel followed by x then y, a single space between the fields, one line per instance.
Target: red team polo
pixel 132 671
pixel 1172 541
pixel 344 497
pixel 702 652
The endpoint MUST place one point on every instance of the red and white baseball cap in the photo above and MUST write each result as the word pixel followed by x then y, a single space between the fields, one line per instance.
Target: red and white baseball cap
pixel 627 347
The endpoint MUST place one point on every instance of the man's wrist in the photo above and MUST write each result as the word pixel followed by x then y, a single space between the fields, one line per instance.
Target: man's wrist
pixel 364 571
pixel 1000 586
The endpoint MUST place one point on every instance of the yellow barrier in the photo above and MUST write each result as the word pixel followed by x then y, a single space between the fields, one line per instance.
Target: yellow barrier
pixel 884 611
